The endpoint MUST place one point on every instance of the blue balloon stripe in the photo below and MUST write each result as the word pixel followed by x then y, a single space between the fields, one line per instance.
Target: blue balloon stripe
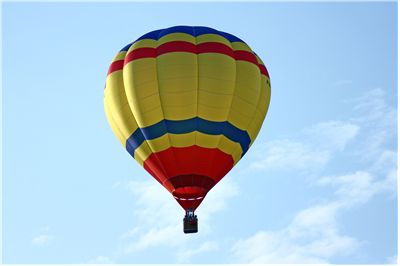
pixel 187 126
pixel 194 31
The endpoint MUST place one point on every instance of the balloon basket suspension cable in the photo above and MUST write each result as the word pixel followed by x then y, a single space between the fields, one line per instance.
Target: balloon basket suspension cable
pixel 190 222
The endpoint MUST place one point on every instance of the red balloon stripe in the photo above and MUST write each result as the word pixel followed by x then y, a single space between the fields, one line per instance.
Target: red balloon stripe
pixel 182 46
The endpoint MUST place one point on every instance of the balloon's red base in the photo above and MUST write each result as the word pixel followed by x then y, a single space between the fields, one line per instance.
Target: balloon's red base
pixel 189 173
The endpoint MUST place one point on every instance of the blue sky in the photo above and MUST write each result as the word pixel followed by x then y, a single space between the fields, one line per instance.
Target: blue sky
pixel 318 185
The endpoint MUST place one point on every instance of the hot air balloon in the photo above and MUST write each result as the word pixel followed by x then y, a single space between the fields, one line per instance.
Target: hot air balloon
pixel 187 103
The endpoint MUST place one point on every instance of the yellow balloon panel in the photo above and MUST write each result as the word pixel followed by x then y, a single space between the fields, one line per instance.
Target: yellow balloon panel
pixel 229 147
pixel 142 91
pixel 115 99
pixel 173 37
pixel 261 111
pixel 243 106
pixel 238 119
pixel 210 113
pixel 177 77
pixel 216 86
pixel 178 66
pixel 183 140
pixel 217 66
pixel 212 38
pixel 144 43
pixel 247 85
pixel 265 96
pixel 139 72
pixel 119 56
pixel 219 101
pixel 241 46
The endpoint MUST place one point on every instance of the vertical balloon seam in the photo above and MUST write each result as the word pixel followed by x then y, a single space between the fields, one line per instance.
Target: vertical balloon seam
pixel 227 113
pixel 161 105
pixel 128 145
pixel 267 102
pixel 244 149
pixel 211 161
pixel 138 137
pixel 260 88
pixel 197 91
pixel 267 88
pixel 263 114
pixel 111 110
pixel 127 142
pixel 256 110
pixel 139 131
pixel 158 162
pixel 167 126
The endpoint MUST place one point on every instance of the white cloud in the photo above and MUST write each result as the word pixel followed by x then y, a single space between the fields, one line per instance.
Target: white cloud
pixel 372 106
pixel 289 155
pixel 276 247
pixel 331 135
pixel 313 151
pixel 313 236
pixel 352 187
pixel 359 187
pixel 42 240
pixel 379 122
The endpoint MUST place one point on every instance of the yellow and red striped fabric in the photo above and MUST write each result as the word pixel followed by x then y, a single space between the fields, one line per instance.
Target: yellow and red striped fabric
pixel 187 103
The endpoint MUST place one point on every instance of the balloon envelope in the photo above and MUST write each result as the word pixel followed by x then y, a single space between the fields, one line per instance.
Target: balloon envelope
pixel 187 103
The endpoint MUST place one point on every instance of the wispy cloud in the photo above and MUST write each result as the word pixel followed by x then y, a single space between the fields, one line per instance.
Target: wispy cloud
pixel 289 246
pixel 313 236
pixel 379 122
pixel 310 151
pixel 359 187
